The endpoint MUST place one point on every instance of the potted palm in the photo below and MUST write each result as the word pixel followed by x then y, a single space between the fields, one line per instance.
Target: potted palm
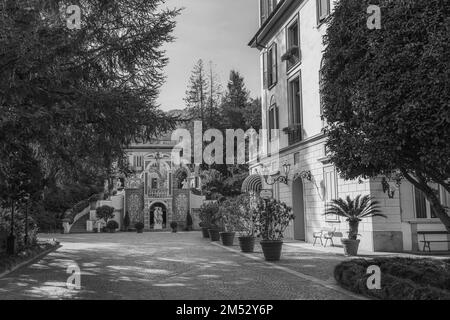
pixel 274 217
pixel 354 210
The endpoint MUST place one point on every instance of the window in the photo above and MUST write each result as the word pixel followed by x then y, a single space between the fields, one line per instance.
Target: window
pixel 270 67
pixel 272 72
pixel 423 209
pixel 138 161
pixel 154 183
pixel 292 55
pixel 330 188
pixel 295 110
pixel 295 101
pixel 323 10
pixel 273 119
pixel 266 8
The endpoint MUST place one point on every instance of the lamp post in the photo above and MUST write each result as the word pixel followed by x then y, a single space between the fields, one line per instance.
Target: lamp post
pixel 282 178
pixel 27 198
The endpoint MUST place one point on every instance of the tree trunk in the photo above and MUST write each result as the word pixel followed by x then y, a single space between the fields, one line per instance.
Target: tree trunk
pixel 353 229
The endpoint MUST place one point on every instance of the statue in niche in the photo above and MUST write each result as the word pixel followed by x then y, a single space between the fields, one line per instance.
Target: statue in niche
pixel 158 214
pixel 185 184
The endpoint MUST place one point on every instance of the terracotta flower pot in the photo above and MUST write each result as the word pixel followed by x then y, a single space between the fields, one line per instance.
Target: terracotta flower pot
pixel 247 244
pixel 227 238
pixel 205 232
pixel 214 234
pixel 350 246
pixel 272 249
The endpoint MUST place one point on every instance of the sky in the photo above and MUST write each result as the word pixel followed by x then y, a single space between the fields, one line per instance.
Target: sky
pixel 212 30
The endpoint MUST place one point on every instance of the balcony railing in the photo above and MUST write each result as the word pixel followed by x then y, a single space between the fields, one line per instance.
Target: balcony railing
pixel 158 193
pixel 294 133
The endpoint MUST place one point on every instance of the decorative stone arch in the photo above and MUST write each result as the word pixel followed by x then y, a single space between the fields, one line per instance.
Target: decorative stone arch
pixel 166 212
pixel 180 175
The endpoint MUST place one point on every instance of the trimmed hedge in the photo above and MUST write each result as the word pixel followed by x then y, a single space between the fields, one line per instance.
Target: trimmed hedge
pixel 401 278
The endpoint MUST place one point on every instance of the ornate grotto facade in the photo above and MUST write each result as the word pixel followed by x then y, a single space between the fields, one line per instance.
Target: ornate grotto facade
pixel 158 185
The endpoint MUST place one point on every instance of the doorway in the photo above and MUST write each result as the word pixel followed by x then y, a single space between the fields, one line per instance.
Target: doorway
pixel 298 207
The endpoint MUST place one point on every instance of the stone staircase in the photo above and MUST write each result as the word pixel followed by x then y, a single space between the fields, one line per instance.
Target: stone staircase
pixel 80 225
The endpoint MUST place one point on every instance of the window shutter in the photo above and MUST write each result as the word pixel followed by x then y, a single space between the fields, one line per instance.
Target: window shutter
pixel 274 64
pixel 265 73
pixel 263 9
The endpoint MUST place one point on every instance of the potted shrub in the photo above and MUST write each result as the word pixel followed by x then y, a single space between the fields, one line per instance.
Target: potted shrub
pixel 174 226
pixel 247 223
pixel 354 210
pixel 274 217
pixel 112 226
pixel 228 215
pixel 207 211
pixel 139 226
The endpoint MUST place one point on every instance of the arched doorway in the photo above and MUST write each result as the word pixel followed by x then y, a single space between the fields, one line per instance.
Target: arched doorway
pixel 298 207
pixel 152 214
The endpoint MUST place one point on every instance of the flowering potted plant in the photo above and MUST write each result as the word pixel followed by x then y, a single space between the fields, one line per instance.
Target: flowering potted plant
pixel 274 217
pixel 354 210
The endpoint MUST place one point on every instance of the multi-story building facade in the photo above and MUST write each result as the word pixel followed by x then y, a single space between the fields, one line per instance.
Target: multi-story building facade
pixel 290 43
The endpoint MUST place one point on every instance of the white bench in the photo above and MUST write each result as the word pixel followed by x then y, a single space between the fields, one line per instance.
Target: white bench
pixel 326 234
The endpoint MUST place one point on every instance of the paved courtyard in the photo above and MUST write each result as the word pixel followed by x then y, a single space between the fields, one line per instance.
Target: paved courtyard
pixel 172 266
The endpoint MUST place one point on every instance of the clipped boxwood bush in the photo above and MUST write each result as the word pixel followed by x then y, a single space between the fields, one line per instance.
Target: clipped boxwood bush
pixel 112 225
pixel 401 278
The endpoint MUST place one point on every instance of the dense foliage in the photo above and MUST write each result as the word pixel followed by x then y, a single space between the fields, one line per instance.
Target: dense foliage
pixel 401 278
pixel 105 213
pixel 71 100
pixel 209 215
pixel 386 93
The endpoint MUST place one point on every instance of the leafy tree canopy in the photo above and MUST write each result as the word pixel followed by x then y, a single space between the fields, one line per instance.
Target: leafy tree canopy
pixel 386 92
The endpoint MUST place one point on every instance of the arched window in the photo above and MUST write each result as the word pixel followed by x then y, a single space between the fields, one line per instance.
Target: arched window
pixel 273 118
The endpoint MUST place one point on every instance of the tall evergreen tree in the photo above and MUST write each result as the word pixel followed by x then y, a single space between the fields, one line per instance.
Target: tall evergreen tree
pixel 77 97
pixel 196 93
pixel 235 101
